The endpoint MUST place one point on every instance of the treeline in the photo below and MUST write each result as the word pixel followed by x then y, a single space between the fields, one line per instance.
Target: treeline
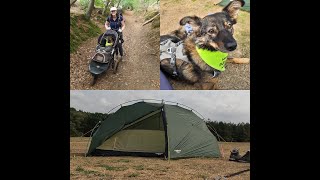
pixel 230 132
pixel 82 122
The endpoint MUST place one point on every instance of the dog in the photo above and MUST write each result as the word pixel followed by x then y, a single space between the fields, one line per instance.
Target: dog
pixel 213 33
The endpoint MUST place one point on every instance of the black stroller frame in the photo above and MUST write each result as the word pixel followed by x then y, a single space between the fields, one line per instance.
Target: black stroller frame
pixel 104 56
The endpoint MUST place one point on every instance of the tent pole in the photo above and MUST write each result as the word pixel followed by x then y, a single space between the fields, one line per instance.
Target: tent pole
pixel 89 142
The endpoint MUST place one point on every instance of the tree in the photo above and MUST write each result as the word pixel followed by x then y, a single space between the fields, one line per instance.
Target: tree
pixel 72 2
pixel 90 9
pixel 82 122
pixel 106 4
pixel 118 3
pixel 231 132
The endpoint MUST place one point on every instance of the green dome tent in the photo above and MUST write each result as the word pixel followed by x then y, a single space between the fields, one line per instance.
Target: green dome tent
pixel 154 129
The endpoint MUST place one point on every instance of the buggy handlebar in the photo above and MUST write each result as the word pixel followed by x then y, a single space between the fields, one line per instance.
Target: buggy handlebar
pixel 111 32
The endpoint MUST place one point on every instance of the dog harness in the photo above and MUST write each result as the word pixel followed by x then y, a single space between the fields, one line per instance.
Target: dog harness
pixel 169 49
pixel 172 50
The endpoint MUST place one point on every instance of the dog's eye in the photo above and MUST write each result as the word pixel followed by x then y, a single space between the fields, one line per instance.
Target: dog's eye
pixel 211 31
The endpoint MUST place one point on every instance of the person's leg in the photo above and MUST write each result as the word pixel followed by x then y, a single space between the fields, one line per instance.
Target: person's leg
pixel 120 49
pixel 116 50
pixel 121 38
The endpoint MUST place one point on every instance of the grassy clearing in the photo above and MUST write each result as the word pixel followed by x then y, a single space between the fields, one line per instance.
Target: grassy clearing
pixel 142 168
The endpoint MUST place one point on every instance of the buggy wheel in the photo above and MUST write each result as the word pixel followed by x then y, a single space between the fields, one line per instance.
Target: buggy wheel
pixel 93 80
pixel 115 66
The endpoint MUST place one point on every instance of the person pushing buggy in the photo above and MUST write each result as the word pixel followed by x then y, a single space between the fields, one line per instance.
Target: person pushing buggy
pixel 115 22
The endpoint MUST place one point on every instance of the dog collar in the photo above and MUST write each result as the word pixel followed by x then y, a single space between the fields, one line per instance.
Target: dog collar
pixel 215 59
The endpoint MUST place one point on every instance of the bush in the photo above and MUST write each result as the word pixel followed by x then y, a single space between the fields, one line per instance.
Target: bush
pixel 84 4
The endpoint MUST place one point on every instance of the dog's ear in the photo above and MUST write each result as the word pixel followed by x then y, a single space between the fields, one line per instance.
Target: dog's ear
pixel 192 20
pixel 233 9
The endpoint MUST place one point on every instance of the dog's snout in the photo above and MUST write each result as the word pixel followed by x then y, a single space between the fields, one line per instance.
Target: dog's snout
pixel 231 46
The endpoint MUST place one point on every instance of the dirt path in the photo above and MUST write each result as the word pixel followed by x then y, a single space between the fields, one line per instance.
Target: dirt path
pixel 139 70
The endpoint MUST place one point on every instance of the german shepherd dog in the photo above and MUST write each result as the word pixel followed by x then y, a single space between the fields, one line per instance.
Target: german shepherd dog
pixel 213 32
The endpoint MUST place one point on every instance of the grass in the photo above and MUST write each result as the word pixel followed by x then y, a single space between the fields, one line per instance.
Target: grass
pixel 81 30
pixel 164 170
pixel 82 170
pixel 140 167
pixel 208 6
pixel 133 175
pixel 79 169
pixel 203 176
pixel 125 167
pixel 242 34
pixel 123 160
pixel 114 168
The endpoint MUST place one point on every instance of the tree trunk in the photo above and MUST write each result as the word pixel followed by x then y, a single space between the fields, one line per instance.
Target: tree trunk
pixel 72 2
pixel 89 10
pixel 118 3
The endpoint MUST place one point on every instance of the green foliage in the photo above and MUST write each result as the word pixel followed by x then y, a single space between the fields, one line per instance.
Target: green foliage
pixel 99 3
pixel 84 4
pixel 82 122
pixel 135 4
pixel 231 132
pixel 81 30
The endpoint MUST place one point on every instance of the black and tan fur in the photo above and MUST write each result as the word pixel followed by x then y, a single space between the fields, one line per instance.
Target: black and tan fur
pixel 213 32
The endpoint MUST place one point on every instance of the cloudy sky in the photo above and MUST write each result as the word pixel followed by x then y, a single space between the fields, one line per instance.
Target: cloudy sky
pixel 227 106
